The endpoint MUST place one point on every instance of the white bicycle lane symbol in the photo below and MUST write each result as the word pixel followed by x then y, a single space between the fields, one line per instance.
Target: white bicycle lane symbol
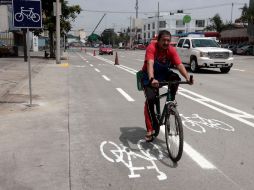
pixel 117 155
pixel 28 13
pixel 197 124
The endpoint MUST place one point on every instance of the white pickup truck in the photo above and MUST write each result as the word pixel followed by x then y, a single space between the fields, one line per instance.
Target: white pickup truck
pixel 204 52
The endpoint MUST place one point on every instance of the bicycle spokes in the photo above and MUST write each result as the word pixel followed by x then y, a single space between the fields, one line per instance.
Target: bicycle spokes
pixel 174 136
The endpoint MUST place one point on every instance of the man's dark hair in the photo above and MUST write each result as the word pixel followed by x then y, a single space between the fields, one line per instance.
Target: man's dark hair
pixel 162 33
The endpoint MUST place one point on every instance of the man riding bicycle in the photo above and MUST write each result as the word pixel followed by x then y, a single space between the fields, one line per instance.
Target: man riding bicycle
pixel 159 57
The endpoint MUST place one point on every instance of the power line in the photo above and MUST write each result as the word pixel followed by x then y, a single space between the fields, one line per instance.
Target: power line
pixel 147 12
pixel 212 6
pixel 125 12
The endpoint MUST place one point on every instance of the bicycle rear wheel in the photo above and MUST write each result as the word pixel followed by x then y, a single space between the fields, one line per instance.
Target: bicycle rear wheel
pixel 174 135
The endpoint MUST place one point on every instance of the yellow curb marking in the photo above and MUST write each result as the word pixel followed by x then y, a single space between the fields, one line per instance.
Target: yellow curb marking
pixel 64 65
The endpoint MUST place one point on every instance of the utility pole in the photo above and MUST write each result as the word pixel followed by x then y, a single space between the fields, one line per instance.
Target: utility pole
pixel 130 34
pixel 57 32
pixel 232 11
pixel 136 7
pixel 158 19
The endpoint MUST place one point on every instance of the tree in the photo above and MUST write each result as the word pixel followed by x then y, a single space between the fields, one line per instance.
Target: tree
pixel 247 14
pixel 243 18
pixel 69 13
pixel 108 36
pixel 123 37
pixel 216 24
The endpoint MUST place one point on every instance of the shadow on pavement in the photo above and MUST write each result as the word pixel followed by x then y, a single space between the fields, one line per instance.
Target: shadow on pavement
pixel 130 136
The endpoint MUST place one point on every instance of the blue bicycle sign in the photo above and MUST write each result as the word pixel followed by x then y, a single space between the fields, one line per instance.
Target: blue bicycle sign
pixel 27 14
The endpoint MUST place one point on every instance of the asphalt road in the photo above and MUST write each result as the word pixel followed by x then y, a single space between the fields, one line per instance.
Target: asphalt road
pixel 107 128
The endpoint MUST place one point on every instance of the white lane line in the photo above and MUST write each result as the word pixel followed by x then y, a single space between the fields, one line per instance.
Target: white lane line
pixel 127 96
pixel 140 60
pixel 106 78
pixel 195 155
pixel 87 61
pixel 97 70
pixel 82 66
pixel 132 71
pixel 220 107
pixel 91 65
pixel 238 70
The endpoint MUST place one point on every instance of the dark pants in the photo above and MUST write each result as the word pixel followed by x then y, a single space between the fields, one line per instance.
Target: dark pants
pixel 150 94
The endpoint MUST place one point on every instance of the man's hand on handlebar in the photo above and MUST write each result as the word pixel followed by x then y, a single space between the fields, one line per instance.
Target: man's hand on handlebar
pixel 190 80
pixel 154 83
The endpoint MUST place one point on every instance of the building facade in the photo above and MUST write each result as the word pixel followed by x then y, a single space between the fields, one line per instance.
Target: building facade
pixel 173 23
pixel 6 28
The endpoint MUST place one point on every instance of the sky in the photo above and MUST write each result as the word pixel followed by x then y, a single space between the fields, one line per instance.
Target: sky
pixel 118 12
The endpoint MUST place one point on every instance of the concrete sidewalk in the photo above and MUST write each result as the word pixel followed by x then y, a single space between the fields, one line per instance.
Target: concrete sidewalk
pixel 34 141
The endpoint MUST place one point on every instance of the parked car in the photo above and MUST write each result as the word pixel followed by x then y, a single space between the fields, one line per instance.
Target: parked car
pixel 106 49
pixel 139 46
pixel 245 50
pixel 6 50
pixel 76 44
pixel 233 48
pixel 224 45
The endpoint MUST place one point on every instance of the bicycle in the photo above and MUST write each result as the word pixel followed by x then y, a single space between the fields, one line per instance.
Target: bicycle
pixel 19 17
pixel 170 118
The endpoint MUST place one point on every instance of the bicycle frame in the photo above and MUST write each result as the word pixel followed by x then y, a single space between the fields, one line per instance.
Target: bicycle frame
pixel 161 116
pixel 27 12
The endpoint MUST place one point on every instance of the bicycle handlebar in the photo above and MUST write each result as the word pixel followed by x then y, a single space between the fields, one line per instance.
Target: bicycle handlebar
pixel 178 82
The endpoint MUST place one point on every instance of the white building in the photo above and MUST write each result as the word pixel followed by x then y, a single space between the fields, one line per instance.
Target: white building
pixel 171 22
pixel 80 33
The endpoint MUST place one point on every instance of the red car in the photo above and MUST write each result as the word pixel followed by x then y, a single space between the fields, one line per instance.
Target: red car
pixel 140 46
pixel 106 49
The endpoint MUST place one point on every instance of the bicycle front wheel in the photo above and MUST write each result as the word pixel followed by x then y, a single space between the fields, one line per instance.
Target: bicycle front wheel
pixel 174 135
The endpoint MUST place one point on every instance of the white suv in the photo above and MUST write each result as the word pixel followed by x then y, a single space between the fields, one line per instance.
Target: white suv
pixel 204 52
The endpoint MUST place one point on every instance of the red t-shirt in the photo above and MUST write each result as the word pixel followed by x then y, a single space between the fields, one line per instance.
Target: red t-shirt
pixel 170 54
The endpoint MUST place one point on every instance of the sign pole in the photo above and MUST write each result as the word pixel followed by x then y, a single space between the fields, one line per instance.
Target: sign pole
pixel 29 65
pixel 57 32
pixel 21 19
